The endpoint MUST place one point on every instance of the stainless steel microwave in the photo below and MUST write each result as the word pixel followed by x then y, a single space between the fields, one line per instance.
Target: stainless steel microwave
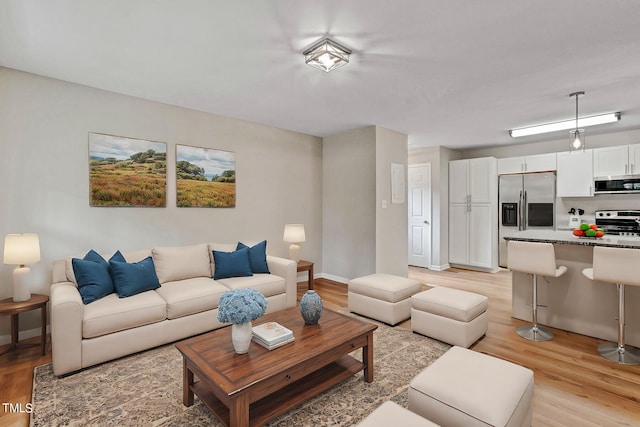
pixel 617 184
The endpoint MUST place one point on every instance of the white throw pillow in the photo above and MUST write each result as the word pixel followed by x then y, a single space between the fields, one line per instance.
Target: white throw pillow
pixel 181 262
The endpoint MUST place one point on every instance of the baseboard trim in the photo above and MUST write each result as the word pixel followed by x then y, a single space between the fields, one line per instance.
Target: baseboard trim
pixel 23 335
pixel 334 278
pixel 473 267
pixel 440 267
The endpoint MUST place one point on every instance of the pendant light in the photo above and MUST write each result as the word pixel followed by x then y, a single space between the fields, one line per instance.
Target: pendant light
pixel 576 136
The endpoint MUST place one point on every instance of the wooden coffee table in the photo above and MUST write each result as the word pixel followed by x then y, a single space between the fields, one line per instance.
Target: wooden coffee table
pixel 252 388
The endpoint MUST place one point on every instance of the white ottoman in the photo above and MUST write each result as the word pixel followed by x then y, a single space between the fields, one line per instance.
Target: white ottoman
pixel 383 297
pixel 450 315
pixel 465 388
pixel 392 414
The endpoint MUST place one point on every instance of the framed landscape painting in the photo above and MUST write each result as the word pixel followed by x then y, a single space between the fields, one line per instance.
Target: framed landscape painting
pixel 127 171
pixel 205 177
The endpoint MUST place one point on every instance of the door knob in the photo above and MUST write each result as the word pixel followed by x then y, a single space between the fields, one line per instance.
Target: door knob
pixel 426 222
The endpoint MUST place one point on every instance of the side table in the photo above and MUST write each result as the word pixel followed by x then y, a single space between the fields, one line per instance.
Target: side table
pixel 307 266
pixel 9 306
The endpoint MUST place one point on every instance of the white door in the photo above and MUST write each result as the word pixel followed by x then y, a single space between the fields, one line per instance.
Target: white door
pixel 419 209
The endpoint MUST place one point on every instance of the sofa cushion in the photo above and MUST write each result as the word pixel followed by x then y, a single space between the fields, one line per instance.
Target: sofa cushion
pixel 232 264
pixel 267 284
pixel 257 256
pixel 135 256
pixel 112 314
pixel 133 278
pixel 181 262
pixel 190 296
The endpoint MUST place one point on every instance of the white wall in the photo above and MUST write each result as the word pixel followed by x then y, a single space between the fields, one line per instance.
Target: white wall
pixel 44 177
pixel 349 204
pixel 392 255
pixel 361 237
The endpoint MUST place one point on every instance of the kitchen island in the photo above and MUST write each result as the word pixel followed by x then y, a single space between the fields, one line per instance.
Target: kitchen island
pixel 575 303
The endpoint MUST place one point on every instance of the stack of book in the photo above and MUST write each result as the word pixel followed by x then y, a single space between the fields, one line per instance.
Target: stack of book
pixel 272 335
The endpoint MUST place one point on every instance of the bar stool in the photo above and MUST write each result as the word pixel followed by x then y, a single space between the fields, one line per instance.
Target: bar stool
pixel 619 266
pixel 536 259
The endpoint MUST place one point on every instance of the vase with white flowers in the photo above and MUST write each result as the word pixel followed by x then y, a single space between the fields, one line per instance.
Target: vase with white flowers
pixel 240 307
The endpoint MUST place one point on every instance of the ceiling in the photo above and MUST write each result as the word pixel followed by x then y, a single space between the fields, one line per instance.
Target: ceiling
pixel 455 73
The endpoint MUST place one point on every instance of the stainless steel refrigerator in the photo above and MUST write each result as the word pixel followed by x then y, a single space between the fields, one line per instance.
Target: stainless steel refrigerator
pixel 526 201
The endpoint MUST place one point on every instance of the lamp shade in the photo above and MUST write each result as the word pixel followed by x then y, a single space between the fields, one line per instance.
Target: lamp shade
pixel 294 233
pixel 21 249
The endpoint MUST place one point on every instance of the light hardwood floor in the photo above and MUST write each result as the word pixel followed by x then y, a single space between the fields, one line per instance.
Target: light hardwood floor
pixel 574 386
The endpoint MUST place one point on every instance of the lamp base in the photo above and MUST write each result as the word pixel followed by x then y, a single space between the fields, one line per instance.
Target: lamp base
pixel 21 291
pixel 294 252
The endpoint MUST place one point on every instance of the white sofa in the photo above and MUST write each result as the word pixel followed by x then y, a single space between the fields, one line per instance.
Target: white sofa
pixel 184 305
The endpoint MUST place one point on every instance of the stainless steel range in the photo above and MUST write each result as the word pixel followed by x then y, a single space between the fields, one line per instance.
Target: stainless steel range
pixel 623 223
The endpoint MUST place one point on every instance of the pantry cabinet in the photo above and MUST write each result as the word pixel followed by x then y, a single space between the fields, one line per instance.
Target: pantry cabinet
pixel 574 176
pixel 473 213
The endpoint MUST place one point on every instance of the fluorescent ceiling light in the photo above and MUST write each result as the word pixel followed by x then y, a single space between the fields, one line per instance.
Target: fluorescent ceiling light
pixel 326 55
pixel 565 125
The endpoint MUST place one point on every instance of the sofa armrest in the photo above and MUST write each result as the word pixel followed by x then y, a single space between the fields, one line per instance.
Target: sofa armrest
pixel 288 270
pixel 67 312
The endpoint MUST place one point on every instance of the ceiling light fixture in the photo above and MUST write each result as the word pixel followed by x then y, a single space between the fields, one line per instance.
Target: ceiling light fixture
pixel 326 55
pixel 565 125
pixel 576 136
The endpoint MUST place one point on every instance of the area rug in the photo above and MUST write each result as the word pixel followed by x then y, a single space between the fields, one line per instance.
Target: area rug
pixel 145 389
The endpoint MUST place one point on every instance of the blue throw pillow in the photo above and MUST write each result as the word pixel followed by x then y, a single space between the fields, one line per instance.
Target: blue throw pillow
pixel 92 276
pixel 117 257
pixel 133 278
pixel 232 264
pixel 257 256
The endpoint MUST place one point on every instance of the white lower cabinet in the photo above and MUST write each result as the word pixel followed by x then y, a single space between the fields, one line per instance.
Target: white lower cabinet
pixel 458 234
pixel 471 235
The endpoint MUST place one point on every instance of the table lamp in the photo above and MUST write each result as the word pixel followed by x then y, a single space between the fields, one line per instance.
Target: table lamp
pixel 294 234
pixel 21 249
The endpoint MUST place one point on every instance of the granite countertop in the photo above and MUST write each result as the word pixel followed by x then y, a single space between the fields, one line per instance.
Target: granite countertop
pixel 567 238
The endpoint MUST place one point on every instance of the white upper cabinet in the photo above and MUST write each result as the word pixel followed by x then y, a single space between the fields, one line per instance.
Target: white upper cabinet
pixel 459 181
pixel 511 165
pixel 483 181
pixel 634 158
pixel 615 161
pixel 472 180
pixel 540 162
pixel 534 163
pixel 574 176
